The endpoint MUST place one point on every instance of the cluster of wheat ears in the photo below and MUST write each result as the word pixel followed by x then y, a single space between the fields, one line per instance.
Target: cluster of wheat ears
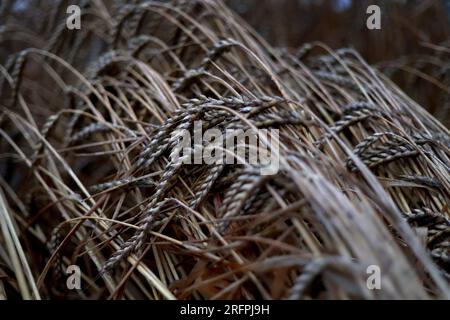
pixel 87 177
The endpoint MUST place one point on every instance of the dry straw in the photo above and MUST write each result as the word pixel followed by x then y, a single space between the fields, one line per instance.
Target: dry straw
pixel 87 176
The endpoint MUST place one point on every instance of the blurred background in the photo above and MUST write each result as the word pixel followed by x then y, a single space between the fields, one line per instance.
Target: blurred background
pixel 412 47
pixel 342 23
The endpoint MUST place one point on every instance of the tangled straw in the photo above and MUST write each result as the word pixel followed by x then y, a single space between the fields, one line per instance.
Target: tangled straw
pixel 89 144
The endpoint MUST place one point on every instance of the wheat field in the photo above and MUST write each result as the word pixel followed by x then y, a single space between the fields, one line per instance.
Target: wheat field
pixel 86 137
